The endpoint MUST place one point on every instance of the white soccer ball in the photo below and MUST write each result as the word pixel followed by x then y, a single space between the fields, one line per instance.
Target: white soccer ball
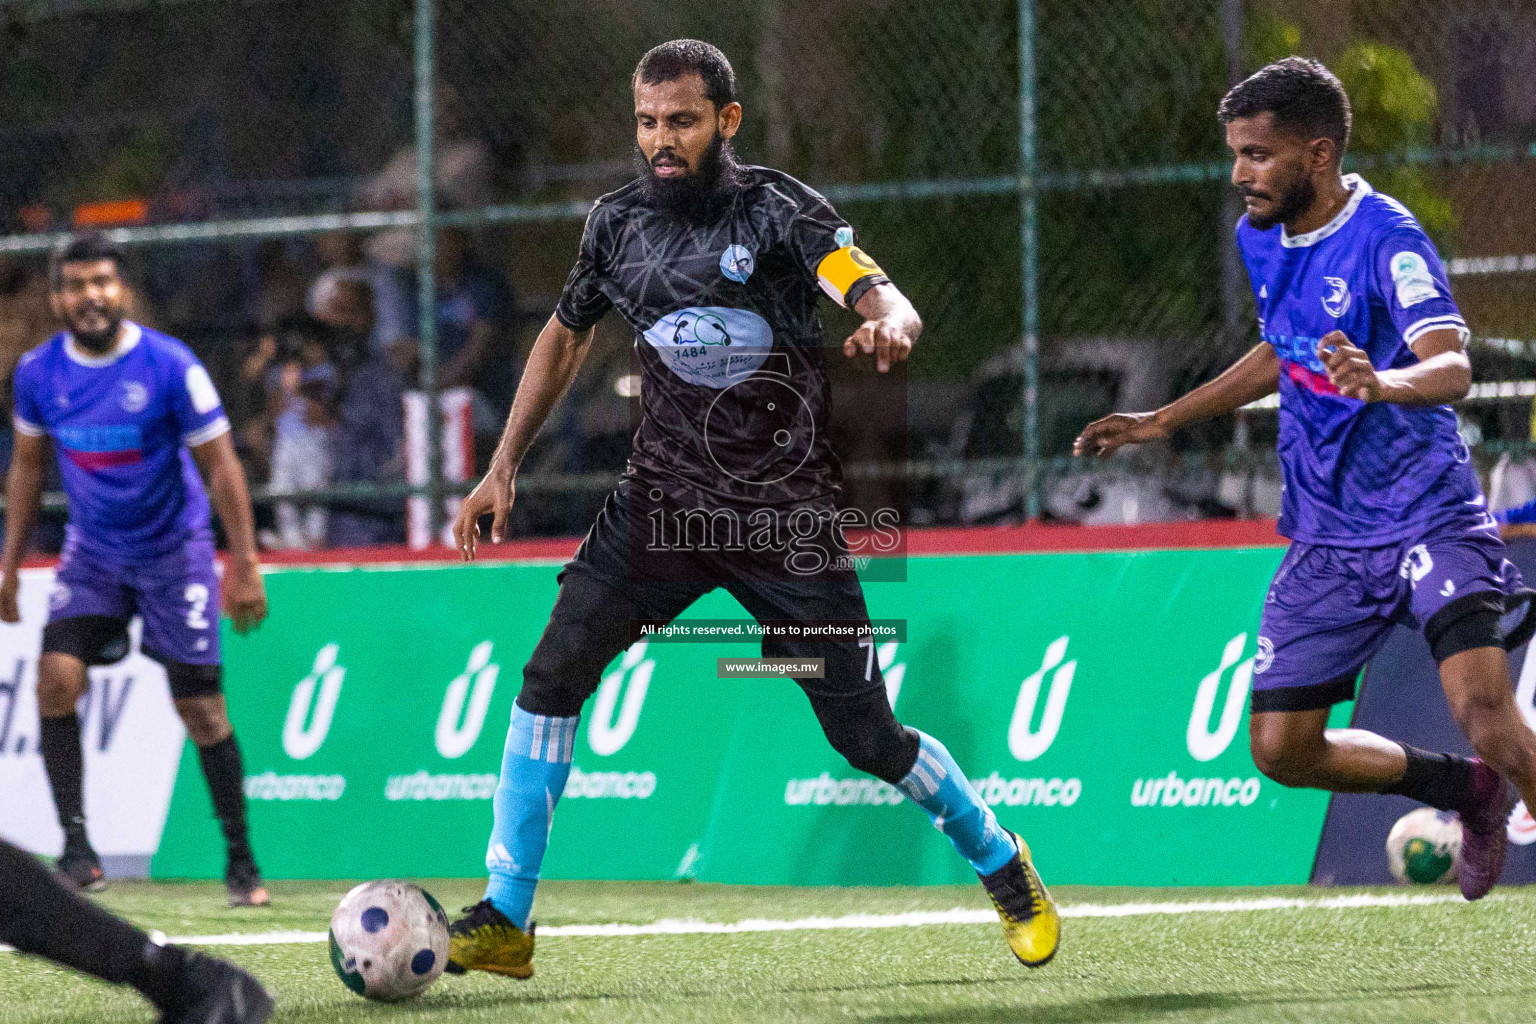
pixel 389 940
pixel 1424 846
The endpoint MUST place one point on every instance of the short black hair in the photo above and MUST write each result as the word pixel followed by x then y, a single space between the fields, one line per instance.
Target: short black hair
pixel 87 248
pixel 1306 98
pixel 671 61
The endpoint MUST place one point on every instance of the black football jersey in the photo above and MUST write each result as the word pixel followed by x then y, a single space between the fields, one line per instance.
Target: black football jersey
pixel 734 394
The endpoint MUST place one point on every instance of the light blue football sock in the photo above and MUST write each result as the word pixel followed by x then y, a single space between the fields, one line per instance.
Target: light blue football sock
pixel 534 767
pixel 938 786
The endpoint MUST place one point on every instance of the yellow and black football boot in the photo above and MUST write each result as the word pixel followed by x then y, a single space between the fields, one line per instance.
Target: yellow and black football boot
pixel 484 939
pixel 1031 922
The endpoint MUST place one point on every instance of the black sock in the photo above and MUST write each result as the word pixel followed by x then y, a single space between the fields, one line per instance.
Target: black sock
pixel 225 773
pixel 65 763
pixel 39 915
pixel 1439 780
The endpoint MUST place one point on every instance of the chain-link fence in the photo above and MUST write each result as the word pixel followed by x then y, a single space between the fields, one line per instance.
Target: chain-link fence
pixel 1045 179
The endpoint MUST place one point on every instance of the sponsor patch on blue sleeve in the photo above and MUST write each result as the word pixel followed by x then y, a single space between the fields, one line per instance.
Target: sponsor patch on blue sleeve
pixel 1411 276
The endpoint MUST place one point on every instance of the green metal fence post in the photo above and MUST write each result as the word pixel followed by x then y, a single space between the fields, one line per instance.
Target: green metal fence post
pixel 1234 279
pixel 426 253
pixel 1029 194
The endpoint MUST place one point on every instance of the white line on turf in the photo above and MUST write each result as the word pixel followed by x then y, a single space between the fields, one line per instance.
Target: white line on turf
pixel 911 919
pixel 923 918
pixel 246 939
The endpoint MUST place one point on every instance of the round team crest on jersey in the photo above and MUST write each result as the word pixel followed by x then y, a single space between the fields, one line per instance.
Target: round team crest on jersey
pixel 1336 299
pixel 737 263
pixel 135 396
pixel 1409 264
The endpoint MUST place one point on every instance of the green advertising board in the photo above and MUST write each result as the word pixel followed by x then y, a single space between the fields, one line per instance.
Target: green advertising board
pixel 1098 702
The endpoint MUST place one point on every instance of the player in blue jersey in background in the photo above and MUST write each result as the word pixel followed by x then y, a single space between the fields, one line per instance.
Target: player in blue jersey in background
pixel 1386 516
pixel 133 418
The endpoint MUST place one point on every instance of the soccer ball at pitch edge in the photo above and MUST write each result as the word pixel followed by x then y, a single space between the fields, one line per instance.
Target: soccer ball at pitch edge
pixel 1424 846
pixel 389 940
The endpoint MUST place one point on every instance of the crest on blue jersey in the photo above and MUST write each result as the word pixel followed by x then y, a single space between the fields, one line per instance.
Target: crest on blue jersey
pixel 1336 298
pixel 737 263
pixel 135 396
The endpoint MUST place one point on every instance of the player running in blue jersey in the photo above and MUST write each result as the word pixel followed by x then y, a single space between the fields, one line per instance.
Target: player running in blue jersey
pixel 133 418
pixel 1387 519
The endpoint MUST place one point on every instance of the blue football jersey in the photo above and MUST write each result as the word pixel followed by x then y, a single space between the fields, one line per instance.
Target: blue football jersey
pixel 121 425
pixel 1358 474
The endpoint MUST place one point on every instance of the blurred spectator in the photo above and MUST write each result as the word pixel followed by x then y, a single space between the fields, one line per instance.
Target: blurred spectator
pixel 473 307
pixel 302 450
pixel 341 253
pixel 253 399
pixel 369 432
pixel 290 372
pixel 345 312
pixel 462 179
pixel 246 403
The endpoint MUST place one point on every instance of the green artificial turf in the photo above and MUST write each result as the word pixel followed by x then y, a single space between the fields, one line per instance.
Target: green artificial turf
pixel 1445 962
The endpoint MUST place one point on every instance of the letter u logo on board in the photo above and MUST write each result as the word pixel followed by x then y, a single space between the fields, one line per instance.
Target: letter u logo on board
pixel 1205 745
pixel 453 738
pixel 309 716
pixel 606 734
pixel 1026 743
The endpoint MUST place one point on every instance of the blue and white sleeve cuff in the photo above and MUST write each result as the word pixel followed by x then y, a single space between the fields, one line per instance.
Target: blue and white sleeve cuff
pixel 1414 331
pixel 207 433
pixel 27 427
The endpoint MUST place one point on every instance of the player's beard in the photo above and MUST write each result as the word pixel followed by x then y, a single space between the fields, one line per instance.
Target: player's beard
pixel 697 194
pixel 1295 201
pixel 99 342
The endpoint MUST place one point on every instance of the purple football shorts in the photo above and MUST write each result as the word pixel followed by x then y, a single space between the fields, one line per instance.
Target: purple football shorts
pixel 177 594
pixel 1330 609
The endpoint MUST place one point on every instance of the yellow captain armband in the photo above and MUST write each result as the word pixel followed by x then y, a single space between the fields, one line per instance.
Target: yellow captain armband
pixel 842 269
